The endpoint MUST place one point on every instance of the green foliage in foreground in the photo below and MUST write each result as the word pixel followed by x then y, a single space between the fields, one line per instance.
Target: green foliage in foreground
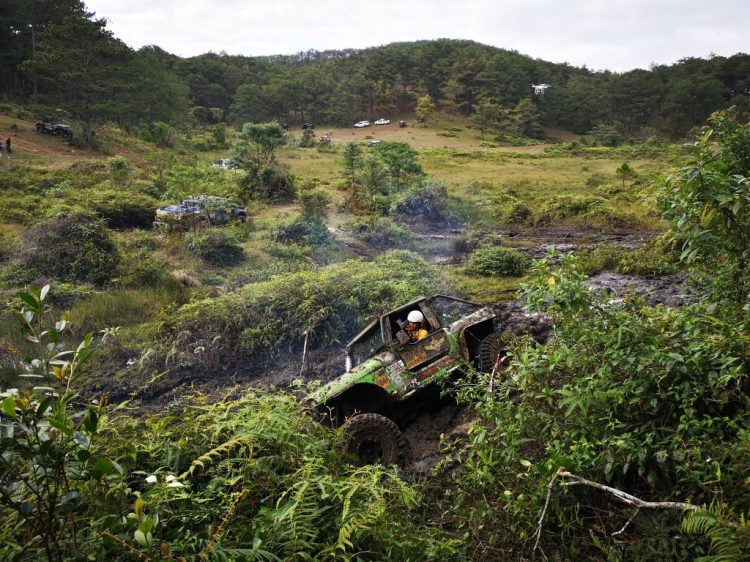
pixel 330 303
pixel 708 205
pixel 648 400
pixel 246 480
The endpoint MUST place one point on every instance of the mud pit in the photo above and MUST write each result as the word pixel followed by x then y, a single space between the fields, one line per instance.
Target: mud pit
pixel 444 421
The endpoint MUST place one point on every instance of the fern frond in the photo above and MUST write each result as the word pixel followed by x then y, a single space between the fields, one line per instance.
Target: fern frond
pixel 218 453
pixel 699 522
pixel 359 522
pixel 726 536
pixel 246 555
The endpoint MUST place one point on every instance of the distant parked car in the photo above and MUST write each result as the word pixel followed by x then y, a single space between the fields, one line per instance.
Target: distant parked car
pixel 200 210
pixel 402 124
pixel 307 126
pixel 383 122
pixel 362 124
pixel 374 143
pixel 325 139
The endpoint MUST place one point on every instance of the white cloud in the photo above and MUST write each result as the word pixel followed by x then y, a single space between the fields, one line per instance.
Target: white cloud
pixel 615 34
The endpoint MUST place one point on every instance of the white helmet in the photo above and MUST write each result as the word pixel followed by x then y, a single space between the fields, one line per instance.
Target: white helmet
pixel 415 316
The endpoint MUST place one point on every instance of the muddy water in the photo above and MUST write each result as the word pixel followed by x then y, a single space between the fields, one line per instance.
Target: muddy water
pixel 534 243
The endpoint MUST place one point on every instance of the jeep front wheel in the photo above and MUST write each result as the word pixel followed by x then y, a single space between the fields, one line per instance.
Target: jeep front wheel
pixel 492 349
pixel 373 439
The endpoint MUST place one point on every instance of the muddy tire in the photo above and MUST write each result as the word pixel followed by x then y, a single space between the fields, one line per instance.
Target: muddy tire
pixel 491 349
pixel 373 439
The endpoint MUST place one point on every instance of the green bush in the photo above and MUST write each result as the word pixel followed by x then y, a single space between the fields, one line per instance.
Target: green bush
pixel 566 206
pixel 428 201
pixel 215 245
pixel 331 303
pixel 270 184
pixel 140 269
pixel 517 213
pixel 381 233
pixel 658 256
pixel 74 248
pixel 497 261
pixel 312 232
pixel 122 208
pixel 474 239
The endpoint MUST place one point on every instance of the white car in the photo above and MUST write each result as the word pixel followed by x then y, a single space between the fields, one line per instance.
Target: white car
pixel 383 122
pixel 362 124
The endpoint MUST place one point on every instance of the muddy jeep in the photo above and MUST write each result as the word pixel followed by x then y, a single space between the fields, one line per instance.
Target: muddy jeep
pixel 200 210
pixel 54 127
pixel 388 378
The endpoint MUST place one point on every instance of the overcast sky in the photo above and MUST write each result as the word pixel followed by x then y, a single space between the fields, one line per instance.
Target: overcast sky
pixel 602 34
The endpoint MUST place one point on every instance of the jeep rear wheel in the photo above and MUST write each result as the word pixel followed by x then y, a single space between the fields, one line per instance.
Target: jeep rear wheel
pixel 492 349
pixel 40 128
pixel 373 439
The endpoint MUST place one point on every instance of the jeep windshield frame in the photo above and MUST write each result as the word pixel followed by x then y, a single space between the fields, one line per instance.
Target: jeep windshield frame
pixel 365 344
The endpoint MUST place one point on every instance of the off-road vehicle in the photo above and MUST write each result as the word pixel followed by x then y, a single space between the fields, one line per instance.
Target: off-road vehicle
pixel 54 127
pixel 388 376
pixel 200 211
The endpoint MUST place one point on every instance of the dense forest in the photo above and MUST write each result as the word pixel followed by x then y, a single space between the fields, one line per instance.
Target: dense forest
pixel 44 43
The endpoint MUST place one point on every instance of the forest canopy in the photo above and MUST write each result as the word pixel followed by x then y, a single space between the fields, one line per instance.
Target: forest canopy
pixel 338 87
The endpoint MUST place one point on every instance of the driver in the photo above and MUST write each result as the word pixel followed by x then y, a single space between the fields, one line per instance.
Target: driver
pixel 414 328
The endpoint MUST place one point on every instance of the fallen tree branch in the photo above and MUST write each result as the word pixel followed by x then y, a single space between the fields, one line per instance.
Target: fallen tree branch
pixel 621 531
pixel 625 497
pixel 544 511
pixel 618 494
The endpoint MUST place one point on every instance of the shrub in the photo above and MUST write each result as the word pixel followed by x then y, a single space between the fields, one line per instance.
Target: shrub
pixel 314 203
pixel 140 269
pixel 658 256
pixel 308 139
pixel 164 135
pixel 517 213
pixel 215 245
pixel 497 261
pixel 77 247
pixel 381 233
pixel 596 180
pixel 475 239
pixel 122 209
pixel 120 171
pixel 428 201
pixel 565 206
pixel 331 303
pixel 270 184
pixel 304 232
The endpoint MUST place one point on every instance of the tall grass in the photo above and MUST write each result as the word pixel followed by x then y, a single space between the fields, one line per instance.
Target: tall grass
pixel 123 307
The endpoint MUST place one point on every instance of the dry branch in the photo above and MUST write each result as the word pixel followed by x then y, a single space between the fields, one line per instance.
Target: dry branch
pixel 618 494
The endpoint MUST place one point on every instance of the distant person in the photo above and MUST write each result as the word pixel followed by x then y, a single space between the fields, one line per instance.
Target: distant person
pixel 7 143
pixel 414 328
